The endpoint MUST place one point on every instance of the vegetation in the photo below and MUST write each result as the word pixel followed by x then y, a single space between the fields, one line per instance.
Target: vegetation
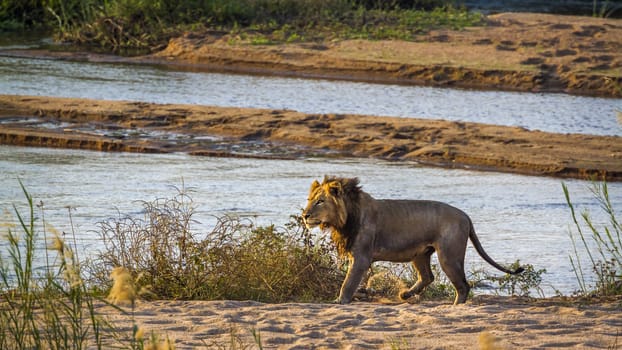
pixel 117 24
pixel 45 303
pixel 48 308
pixel 522 284
pixel 236 260
pixel 601 247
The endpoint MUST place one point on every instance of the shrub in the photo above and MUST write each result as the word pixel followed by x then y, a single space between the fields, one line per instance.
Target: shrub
pixel 123 24
pixel 236 260
pixel 521 284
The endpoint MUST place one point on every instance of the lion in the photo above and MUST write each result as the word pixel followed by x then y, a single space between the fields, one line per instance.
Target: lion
pixel 366 230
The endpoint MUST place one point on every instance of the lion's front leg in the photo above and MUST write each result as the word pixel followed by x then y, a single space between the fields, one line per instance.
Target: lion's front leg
pixel 358 267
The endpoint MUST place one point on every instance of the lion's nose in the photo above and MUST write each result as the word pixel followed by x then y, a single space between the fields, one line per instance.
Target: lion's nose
pixel 305 215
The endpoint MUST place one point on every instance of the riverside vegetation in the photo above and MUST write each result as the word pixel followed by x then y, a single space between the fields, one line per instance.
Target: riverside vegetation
pixel 123 24
pixel 48 293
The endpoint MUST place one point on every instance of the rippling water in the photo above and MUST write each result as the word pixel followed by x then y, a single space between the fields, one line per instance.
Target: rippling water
pixel 516 217
pixel 549 112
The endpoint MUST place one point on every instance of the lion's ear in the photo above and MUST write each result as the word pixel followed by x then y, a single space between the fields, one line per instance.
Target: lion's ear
pixel 314 185
pixel 334 187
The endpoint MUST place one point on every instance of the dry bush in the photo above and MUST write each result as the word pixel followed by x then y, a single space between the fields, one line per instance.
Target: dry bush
pixel 236 260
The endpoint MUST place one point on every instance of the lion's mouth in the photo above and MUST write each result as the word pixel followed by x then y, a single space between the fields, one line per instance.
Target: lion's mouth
pixel 313 223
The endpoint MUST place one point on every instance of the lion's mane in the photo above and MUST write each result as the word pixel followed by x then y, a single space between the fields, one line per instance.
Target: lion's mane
pixel 349 203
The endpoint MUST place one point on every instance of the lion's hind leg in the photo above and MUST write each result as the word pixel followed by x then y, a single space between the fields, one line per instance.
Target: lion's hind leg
pixel 454 269
pixel 421 264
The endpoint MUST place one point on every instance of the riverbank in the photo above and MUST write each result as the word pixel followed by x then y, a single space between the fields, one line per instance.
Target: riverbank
pixel 217 131
pixel 486 322
pixel 513 51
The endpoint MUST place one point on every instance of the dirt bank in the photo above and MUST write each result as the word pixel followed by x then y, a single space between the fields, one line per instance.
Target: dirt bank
pixel 202 130
pixel 514 51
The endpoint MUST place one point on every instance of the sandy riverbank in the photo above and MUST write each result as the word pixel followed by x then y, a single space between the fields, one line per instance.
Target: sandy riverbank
pixel 201 130
pixel 513 51
pixel 486 322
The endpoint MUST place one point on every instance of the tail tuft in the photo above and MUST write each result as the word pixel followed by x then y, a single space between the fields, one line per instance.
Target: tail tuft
pixel 518 270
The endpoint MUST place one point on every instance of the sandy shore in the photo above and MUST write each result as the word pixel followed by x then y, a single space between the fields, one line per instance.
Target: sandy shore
pixel 486 322
pixel 206 130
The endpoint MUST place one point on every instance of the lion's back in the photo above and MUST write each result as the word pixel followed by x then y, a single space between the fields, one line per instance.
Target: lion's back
pixel 424 214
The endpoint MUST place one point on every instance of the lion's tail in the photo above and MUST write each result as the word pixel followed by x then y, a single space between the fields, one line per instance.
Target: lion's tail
pixel 484 255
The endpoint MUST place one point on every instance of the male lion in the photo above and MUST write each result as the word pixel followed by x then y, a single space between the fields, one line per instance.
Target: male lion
pixel 367 230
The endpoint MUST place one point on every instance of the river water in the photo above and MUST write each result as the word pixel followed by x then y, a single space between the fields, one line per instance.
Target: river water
pixel 516 217
pixel 548 112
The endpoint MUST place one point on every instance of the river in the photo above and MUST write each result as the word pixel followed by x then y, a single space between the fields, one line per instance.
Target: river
pixel 558 113
pixel 516 217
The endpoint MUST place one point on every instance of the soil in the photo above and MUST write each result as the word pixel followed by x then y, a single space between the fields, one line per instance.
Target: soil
pixel 514 51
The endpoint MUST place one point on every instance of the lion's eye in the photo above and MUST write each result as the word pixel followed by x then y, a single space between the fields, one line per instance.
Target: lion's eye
pixel 319 202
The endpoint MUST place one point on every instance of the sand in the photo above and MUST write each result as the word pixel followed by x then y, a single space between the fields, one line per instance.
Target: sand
pixel 212 131
pixel 486 322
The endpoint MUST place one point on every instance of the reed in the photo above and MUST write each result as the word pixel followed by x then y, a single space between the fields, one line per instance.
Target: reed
pixel 598 245
pixel 43 308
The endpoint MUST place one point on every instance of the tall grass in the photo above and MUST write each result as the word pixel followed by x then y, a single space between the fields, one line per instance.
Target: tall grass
pixel 47 308
pixel 600 246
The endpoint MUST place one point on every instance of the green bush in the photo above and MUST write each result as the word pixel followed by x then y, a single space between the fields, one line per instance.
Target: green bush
pixel 521 284
pixel 118 24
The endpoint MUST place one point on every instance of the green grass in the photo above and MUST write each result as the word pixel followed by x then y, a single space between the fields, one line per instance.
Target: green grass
pixel 47 308
pixel 118 24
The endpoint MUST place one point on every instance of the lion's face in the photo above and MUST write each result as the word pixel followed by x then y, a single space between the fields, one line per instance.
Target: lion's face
pixel 325 206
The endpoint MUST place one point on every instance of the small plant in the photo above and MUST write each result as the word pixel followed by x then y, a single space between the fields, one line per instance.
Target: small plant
pixel 603 246
pixel 521 284
pixel 385 283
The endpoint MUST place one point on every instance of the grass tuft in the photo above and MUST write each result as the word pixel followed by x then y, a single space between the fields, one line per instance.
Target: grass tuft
pixel 43 308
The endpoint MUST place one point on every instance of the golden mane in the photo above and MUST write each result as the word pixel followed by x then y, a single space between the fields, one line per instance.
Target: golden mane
pixel 347 196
